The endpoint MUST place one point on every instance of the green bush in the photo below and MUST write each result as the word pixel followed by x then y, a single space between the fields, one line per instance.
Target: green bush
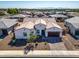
pixel 46 43
pixel 36 43
pixel 32 38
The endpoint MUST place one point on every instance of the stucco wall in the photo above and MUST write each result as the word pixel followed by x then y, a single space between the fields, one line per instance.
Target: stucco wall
pixel 40 27
pixel 19 33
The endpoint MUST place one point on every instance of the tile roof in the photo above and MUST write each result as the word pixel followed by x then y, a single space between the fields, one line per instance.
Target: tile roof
pixel 31 22
pixel 18 15
pixel 40 21
pixel 58 15
pixel 28 25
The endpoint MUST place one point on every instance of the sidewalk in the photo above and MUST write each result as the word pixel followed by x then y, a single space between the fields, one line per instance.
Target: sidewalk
pixel 39 53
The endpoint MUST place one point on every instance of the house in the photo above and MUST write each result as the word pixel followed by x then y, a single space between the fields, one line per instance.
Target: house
pixel 73 26
pixel 20 17
pixel 59 17
pixel 45 27
pixel 72 14
pixel 6 26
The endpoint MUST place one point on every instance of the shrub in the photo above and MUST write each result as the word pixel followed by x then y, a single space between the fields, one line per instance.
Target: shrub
pixel 36 43
pixel 45 43
pixel 14 40
pixel 32 38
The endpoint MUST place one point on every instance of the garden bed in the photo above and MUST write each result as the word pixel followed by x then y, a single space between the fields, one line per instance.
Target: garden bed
pixel 40 46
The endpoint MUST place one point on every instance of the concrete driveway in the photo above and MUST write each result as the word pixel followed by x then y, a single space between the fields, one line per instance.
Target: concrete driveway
pixel 57 46
pixel 52 39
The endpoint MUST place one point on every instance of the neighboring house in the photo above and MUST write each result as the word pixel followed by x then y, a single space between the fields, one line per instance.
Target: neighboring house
pixel 44 27
pixel 72 14
pixel 6 26
pixel 73 25
pixel 20 17
pixel 59 17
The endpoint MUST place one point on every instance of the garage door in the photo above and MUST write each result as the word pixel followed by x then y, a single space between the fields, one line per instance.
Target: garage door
pixel 53 34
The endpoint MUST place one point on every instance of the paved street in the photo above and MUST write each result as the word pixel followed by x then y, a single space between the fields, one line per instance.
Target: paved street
pixel 39 53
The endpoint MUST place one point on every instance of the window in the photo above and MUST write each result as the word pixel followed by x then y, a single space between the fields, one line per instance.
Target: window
pixel 31 33
pixel 24 33
pixel 77 32
pixel 37 31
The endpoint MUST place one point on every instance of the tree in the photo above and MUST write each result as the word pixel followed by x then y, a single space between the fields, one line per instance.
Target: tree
pixel 2 13
pixel 13 11
pixel 32 38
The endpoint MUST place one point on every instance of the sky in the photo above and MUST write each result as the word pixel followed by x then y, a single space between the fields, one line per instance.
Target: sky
pixel 39 4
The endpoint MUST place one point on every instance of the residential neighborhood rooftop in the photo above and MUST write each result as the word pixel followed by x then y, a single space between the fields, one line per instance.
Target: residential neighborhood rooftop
pixel 58 15
pixel 6 23
pixel 40 21
pixel 50 22
pixel 76 25
pixel 73 20
pixel 28 25
pixel 18 15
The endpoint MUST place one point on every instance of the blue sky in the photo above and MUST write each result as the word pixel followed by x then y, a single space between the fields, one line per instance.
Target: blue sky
pixel 39 4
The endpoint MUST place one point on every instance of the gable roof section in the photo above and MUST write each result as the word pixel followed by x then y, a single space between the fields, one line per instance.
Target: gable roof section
pixel 40 21
pixel 51 25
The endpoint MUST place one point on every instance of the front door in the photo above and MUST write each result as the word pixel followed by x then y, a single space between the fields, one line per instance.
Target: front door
pixel 43 33
pixel 4 31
